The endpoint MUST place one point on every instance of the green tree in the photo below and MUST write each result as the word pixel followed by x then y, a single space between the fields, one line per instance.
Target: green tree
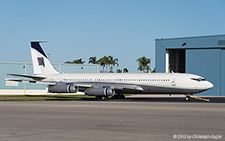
pixel 78 61
pixel 153 71
pixel 112 62
pixel 108 61
pixel 148 69
pixel 67 62
pixel 93 60
pixel 143 62
pixel 111 71
pixel 125 70
pixel 103 62
pixel 118 71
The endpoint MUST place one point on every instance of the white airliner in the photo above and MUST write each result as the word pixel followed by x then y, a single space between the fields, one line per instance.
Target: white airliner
pixel 103 85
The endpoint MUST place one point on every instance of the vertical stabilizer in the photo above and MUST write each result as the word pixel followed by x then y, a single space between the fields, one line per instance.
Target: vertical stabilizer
pixel 41 63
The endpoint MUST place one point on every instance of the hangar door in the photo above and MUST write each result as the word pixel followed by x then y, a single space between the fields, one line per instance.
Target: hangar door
pixel 175 60
pixel 206 63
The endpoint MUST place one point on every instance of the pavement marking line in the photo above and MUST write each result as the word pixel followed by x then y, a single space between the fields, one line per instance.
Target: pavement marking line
pixel 51 132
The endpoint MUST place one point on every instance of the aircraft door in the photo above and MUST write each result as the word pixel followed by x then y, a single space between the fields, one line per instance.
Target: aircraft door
pixel 173 82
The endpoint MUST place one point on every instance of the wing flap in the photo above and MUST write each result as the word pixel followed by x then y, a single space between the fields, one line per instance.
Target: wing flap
pixel 115 86
pixel 127 87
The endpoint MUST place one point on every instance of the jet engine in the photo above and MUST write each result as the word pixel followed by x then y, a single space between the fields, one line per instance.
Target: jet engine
pixel 68 88
pixel 100 92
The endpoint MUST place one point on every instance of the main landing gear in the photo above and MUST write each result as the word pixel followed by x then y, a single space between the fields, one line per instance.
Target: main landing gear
pixel 117 96
pixel 102 97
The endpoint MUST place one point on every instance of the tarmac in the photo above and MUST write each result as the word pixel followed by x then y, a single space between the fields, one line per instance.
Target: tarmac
pixel 132 119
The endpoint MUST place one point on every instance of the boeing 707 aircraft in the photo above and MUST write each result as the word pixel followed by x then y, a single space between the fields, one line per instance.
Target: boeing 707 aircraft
pixel 103 85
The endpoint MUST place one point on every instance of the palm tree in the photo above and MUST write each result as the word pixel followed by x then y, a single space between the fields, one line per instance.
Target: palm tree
pixel 93 60
pixel 143 62
pixel 103 62
pixel 113 63
pixel 148 69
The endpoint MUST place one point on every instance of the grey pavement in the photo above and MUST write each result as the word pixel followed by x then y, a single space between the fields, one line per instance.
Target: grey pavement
pixel 84 120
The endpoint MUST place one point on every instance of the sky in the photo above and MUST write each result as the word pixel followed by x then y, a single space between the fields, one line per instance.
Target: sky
pixel 124 29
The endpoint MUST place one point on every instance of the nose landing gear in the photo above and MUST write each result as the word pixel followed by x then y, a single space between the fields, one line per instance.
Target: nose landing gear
pixel 188 97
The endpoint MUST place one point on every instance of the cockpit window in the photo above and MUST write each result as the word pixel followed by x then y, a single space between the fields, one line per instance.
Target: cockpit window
pixel 198 79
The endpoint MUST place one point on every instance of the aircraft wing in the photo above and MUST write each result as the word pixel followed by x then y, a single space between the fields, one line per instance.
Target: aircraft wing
pixel 118 87
pixel 82 86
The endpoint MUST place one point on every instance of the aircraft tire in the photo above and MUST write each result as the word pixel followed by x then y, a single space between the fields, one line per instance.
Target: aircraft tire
pixel 101 97
pixel 187 98
pixel 119 96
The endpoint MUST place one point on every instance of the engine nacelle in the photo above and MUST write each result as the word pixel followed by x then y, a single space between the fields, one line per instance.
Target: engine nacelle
pixel 100 92
pixel 69 88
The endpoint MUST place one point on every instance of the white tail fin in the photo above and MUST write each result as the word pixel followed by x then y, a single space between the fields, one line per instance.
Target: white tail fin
pixel 41 63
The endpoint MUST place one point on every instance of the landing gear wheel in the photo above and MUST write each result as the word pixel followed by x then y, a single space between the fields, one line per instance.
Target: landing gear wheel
pixel 101 97
pixel 187 98
pixel 119 96
pixel 105 98
pixel 98 97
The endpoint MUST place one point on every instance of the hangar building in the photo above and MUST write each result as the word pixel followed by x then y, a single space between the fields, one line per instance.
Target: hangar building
pixel 203 55
pixel 27 68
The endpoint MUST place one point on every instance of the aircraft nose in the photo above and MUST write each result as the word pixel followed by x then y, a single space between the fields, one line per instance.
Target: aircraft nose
pixel 210 85
pixel 205 86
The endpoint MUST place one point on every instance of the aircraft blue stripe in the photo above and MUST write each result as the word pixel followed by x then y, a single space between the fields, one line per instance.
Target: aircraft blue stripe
pixel 36 45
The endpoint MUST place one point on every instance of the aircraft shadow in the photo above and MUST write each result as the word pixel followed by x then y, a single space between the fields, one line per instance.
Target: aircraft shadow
pixel 149 99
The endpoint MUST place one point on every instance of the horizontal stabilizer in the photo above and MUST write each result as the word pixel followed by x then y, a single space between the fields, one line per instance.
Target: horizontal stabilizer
pixel 30 81
pixel 29 76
